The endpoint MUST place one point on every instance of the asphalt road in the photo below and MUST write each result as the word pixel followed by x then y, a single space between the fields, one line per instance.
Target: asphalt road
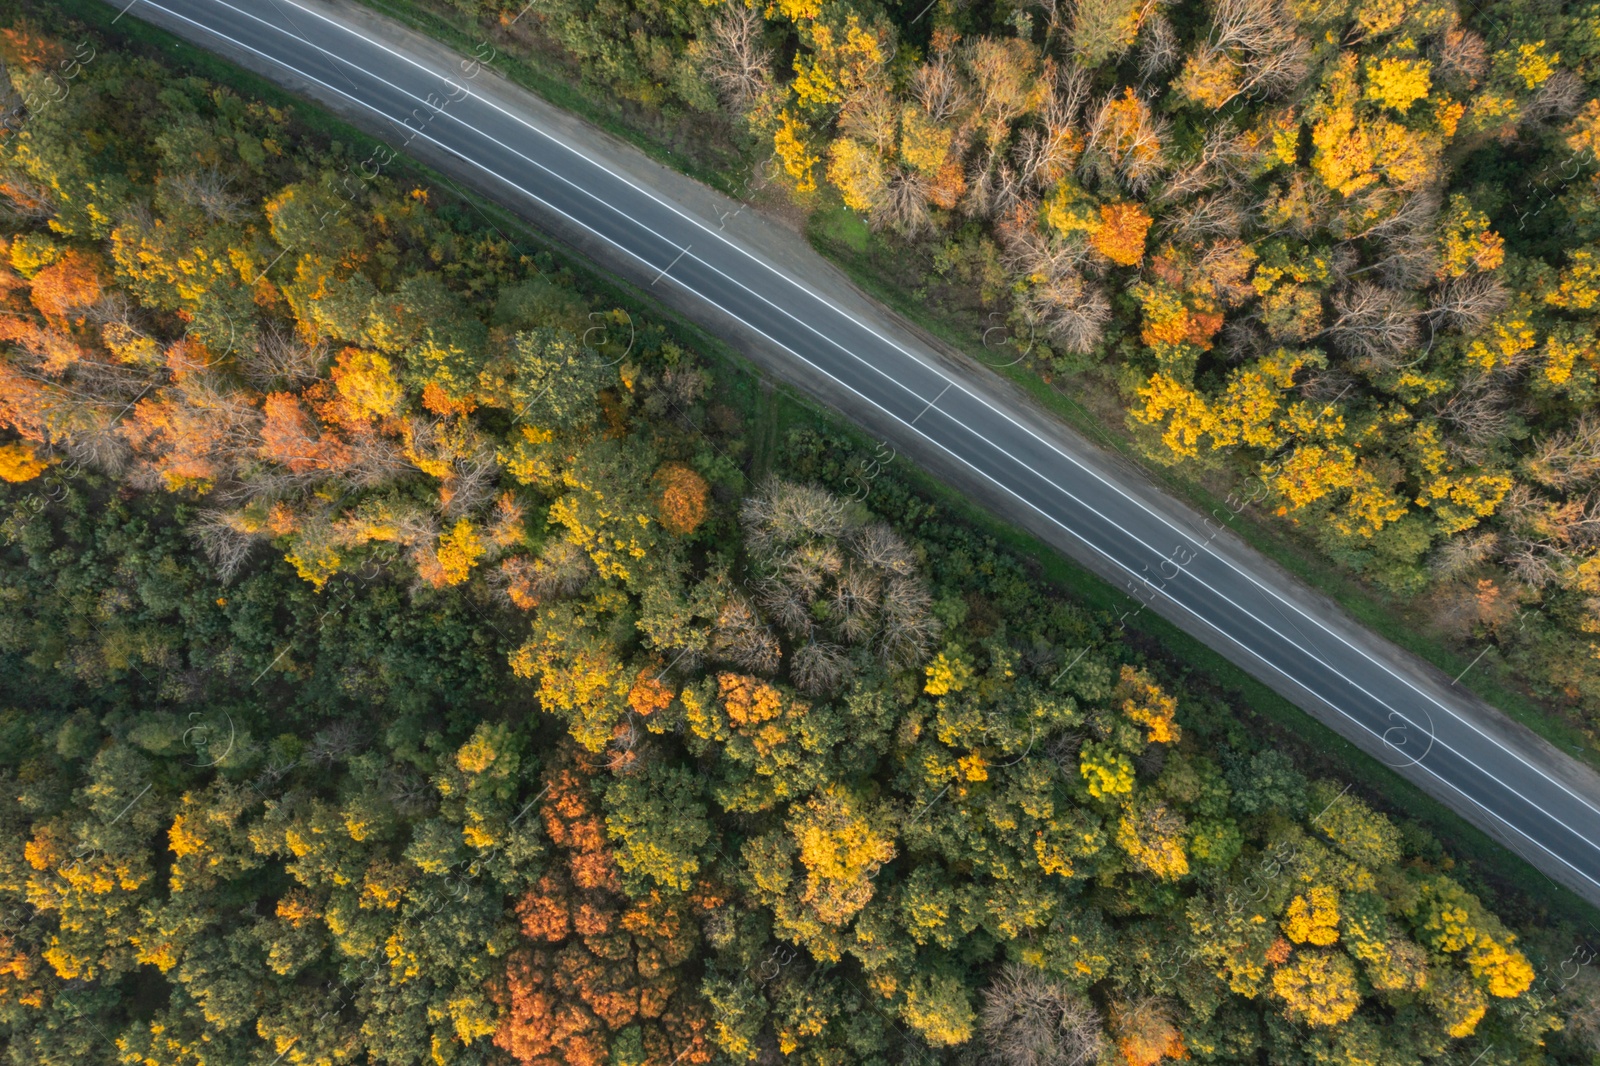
pixel 757 285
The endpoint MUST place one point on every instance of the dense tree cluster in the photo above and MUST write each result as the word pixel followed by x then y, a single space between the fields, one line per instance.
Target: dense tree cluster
pixel 1347 243
pixel 553 730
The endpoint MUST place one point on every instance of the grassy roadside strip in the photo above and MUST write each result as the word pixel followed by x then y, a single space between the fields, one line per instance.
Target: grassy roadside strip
pixel 775 409
pixel 1488 678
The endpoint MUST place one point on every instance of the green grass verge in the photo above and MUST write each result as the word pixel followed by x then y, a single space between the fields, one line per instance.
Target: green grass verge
pixel 772 410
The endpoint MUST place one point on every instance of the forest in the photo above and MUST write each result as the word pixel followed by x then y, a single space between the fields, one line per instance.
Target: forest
pixel 412 656
pixel 1340 253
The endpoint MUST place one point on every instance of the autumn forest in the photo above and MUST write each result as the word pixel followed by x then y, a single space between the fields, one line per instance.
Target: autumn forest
pixel 1342 249
pixel 416 650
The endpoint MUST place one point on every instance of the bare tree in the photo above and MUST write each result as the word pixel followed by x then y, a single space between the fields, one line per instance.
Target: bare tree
pixel 1460 555
pixel 904 205
pixel 937 85
pixel 1464 58
pixel 335 744
pixel 374 459
pixel 782 514
pixel 1576 523
pixel 1069 95
pixel 995 188
pixel 1410 258
pixel 826 581
pixel 737 60
pixel 1374 324
pixel 1583 1006
pixel 1044 153
pixel 418 530
pixel 854 602
pixel 809 567
pixel 909 628
pixel 207 190
pixel 1010 198
pixel 1342 263
pixel 1029 251
pixel 1381 212
pixel 1040 160
pixel 226 540
pixel 471 482
pixel 873 116
pixel 1252 26
pixel 560 570
pixel 1071 310
pixel 125 318
pixel 1531 553
pixel 1559 97
pixel 883 549
pixel 741 638
pixel 1568 459
pixel 1326 387
pixel 1468 302
pixel 787 606
pixel 1126 137
pixel 206 426
pixel 1242 339
pixel 1477 410
pixel 1278 69
pixel 1260 38
pixel 26 200
pixel 411 793
pixel 1159 47
pixel 675 393
pixel 1217 215
pixel 818 668
pixel 1522 507
pixel 1299 208
pixel 625 754
pixel 1032 1019
pixel 978 200
pixel 467 455
pixel 278 360
pixel 1532 564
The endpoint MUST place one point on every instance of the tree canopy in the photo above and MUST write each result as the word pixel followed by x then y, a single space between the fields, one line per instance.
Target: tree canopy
pixel 394 675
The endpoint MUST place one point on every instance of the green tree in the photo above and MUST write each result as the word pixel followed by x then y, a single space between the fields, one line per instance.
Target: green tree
pixel 555 379
pixel 659 823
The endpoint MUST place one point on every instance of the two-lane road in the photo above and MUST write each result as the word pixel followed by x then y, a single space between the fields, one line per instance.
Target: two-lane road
pixel 737 275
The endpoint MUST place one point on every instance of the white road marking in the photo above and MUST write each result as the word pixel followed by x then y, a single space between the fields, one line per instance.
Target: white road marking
pixel 672 264
pixel 928 408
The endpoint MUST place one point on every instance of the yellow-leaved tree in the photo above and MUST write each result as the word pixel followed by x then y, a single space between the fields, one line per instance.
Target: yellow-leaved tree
pixel 1313 917
pixel 19 462
pixel 1144 702
pixel 1318 988
pixel 841 848
pixel 1152 834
